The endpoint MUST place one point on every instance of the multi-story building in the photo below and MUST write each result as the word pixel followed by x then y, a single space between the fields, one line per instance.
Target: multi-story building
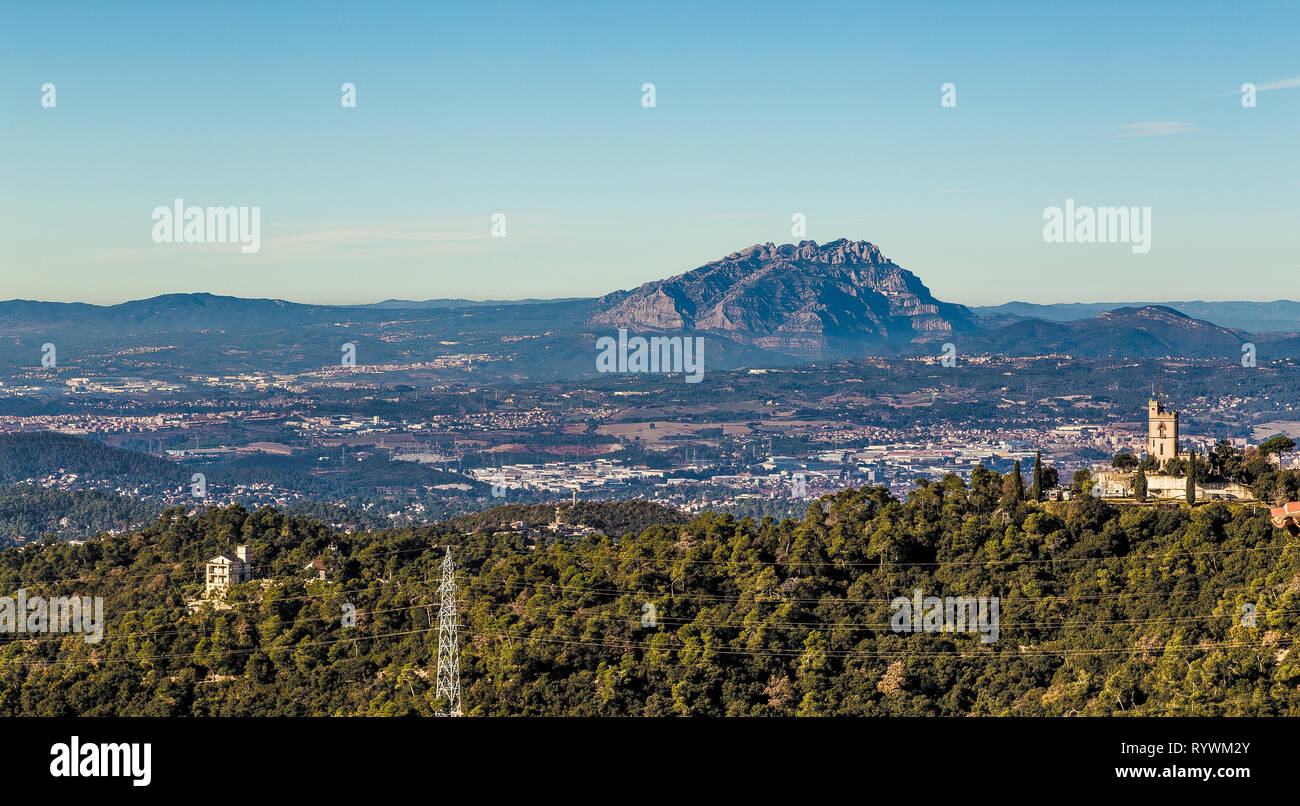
pixel 225 570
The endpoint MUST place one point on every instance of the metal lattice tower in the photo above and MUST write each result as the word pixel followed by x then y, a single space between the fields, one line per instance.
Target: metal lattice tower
pixel 448 685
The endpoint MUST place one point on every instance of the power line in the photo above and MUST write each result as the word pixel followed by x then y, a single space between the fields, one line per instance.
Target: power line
pixel 103 576
pixel 777 599
pixel 978 652
pixel 902 654
pixel 614 618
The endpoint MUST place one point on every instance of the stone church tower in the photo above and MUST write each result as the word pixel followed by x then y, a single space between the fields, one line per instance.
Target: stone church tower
pixel 1162 431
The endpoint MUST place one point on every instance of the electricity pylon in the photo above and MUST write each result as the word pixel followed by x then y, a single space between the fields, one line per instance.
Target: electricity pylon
pixel 448 686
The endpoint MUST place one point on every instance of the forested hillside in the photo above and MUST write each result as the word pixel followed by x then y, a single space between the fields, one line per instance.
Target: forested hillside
pixel 615 518
pixel 29 455
pixel 31 512
pixel 1104 610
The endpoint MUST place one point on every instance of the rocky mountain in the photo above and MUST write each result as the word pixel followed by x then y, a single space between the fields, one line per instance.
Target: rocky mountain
pixel 1150 331
pixel 801 299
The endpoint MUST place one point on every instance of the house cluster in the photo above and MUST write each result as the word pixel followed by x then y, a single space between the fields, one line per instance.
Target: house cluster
pixel 558 527
pixel 1162 445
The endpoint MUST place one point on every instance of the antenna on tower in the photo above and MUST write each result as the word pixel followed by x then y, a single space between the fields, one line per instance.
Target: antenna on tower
pixel 448 686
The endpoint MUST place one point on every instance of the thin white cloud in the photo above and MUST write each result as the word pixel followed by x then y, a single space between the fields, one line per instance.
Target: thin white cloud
pixel 1284 84
pixel 1153 128
pixel 370 236
pixel 389 240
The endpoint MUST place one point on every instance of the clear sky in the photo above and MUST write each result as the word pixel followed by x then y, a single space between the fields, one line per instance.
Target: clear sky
pixel 762 110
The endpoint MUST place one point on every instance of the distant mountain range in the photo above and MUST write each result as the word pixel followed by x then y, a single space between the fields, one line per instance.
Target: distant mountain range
pixel 1146 332
pixel 461 303
pixel 804 299
pixel 766 305
pixel 1255 317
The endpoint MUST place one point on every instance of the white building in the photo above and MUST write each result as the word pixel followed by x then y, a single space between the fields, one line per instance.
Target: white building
pixel 225 570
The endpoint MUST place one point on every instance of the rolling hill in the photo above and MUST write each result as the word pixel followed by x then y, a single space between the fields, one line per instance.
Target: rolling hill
pixel 1256 317
pixel 1146 332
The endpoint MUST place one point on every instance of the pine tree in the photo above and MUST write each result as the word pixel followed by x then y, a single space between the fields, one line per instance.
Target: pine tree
pixel 1140 485
pixel 1036 491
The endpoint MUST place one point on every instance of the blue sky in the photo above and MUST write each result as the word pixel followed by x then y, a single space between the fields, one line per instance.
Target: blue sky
pixel 762 110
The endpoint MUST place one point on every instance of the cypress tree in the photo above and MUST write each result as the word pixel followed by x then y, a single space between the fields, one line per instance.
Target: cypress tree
pixel 1191 478
pixel 1036 491
pixel 1020 482
pixel 1140 486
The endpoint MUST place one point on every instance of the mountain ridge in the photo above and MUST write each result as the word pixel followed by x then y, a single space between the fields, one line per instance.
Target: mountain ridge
pixel 766 304
pixel 1138 332
pixel 803 299
pixel 1280 315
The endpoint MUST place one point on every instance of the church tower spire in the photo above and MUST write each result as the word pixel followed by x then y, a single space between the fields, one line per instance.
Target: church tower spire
pixel 1162 430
